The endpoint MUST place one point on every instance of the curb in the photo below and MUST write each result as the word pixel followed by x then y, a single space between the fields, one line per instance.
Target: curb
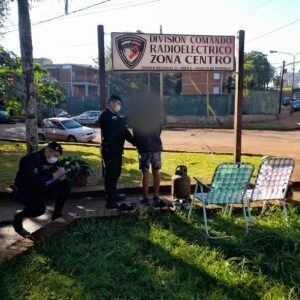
pixel 79 192
pixel 245 127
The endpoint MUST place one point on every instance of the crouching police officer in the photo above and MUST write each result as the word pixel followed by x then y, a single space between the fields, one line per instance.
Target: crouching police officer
pixel 113 135
pixel 35 170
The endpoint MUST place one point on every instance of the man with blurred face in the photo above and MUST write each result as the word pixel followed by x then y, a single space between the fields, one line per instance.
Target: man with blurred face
pixel 35 170
pixel 146 119
pixel 113 135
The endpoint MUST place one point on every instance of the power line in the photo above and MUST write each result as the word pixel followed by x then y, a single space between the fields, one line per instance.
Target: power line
pixel 112 9
pixel 258 7
pixel 274 30
pixel 72 12
pixel 116 8
pixel 64 15
pixel 289 64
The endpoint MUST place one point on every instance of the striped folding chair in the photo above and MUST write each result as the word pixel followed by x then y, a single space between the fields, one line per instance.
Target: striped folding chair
pixel 229 185
pixel 272 182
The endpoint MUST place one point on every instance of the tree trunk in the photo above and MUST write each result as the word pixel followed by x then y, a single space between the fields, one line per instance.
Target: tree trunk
pixel 28 75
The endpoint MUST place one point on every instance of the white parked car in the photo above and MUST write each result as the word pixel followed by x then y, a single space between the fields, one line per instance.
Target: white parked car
pixel 65 129
pixel 88 117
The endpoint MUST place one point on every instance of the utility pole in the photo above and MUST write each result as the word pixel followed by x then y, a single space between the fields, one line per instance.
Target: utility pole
pixel 294 63
pixel 281 86
pixel 293 78
pixel 101 58
pixel 207 94
pixel 238 106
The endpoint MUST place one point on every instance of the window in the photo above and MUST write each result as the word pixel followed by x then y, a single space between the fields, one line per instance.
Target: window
pixel 216 90
pixel 71 124
pixel 57 125
pixel 84 115
pixel 93 114
pixel 217 76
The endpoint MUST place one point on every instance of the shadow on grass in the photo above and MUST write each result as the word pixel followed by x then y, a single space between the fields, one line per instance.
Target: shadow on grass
pixel 137 258
pixel 271 251
pixel 122 261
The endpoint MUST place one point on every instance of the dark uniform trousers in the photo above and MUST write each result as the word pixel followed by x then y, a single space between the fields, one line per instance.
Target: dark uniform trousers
pixel 33 198
pixel 113 135
pixel 111 171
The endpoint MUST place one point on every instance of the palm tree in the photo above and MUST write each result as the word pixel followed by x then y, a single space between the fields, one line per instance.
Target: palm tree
pixel 27 69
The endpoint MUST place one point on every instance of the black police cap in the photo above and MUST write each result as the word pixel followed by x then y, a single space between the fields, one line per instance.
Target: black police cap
pixel 56 147
pixel 114 98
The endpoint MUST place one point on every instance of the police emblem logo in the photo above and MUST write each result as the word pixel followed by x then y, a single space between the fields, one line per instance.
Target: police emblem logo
pixel 131 49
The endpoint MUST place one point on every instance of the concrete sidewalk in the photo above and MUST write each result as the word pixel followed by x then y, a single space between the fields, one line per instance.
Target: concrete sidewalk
pixel 83 207
pixel 8 208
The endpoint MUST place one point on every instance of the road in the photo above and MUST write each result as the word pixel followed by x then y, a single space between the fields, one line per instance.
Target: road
pixel 277 143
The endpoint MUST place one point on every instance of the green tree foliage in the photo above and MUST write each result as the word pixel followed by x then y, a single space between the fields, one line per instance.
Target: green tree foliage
pixel 3 11
pixel 12 91
pixel 257 70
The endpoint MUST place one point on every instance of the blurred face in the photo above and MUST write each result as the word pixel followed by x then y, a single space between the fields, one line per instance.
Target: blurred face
pixel 114 106
pixel 51 155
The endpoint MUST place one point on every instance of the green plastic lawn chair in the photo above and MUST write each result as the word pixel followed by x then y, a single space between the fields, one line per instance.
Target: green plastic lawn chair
pixel 228 186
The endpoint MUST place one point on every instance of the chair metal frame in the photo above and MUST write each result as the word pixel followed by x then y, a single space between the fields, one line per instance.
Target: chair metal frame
pixel 265 201
pixel 201 184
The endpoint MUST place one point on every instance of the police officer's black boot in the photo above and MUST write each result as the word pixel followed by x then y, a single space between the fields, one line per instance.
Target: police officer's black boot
pixel 58 209
pixel 63 189
pixel 56 215
pixel 18 225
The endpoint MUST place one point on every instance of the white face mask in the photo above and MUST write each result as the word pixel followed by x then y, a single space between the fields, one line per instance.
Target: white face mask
pixel 52 160
pixel 118 108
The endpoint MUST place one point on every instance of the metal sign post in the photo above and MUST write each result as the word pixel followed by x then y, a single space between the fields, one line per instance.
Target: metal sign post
pixel 161 89
pixel 238 107
pixel 101 58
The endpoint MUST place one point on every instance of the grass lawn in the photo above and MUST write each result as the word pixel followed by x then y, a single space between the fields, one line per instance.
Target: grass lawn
pixel 161 256
pixel 199 164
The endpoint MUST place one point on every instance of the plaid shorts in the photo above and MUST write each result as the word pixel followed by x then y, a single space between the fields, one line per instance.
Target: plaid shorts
pixel 150 158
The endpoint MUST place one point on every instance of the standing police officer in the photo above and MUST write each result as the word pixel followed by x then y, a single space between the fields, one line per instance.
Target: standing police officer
pixel 34 171
pixel 113 135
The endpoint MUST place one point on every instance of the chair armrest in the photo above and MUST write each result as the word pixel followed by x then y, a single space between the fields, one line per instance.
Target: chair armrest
pixel 201 182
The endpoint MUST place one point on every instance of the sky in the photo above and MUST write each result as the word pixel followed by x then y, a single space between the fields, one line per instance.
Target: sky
pixel 73 38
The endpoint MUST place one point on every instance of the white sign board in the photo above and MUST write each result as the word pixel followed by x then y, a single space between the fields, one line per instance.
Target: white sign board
pixel 171 52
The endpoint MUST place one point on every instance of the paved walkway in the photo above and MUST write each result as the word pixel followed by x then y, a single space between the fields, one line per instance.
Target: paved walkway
pixel 8 208
pixel 83 207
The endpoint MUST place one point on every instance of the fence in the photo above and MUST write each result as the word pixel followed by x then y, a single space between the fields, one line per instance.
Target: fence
pixel 261 102
pixel 257 102
pixel 198 105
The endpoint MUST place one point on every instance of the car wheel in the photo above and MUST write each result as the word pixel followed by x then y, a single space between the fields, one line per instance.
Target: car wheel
pixel 41 137
pixel 71 138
